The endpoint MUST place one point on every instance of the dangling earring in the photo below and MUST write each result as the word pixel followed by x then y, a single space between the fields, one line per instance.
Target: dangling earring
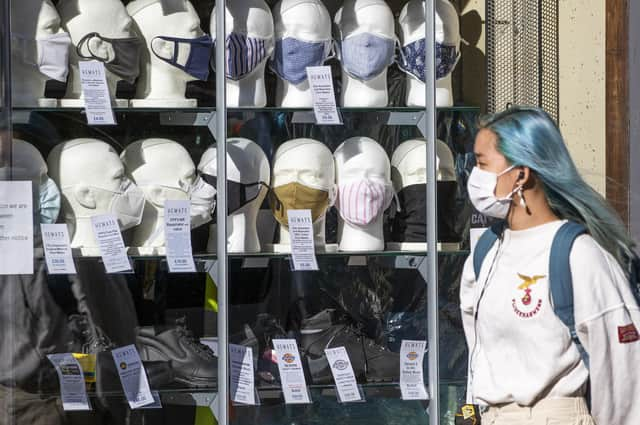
pixel 523 203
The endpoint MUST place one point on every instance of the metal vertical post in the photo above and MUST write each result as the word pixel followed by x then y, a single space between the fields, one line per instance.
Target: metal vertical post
pixel 222 280
pixel 432 245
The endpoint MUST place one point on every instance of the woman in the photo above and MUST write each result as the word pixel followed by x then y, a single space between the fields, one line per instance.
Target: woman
pixel 524 367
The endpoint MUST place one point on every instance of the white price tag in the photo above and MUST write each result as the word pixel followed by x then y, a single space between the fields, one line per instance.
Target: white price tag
pixel 132 376
pixel 324 98
pixel 57 249
pixel 72 387
pixel 242 380
pixel 301 234
pixel 411 373
pixel 177 231
pixel 97 101
pixel 16 228
pixel 109 238
pixel 294 386
pixel 343 375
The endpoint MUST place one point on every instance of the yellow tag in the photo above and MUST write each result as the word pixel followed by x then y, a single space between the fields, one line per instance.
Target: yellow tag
pixel 468 411
pixel 88 365
pixel 211 295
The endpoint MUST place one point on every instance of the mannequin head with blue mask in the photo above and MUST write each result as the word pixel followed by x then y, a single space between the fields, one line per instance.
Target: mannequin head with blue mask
pixel 365 45
pixel 176 51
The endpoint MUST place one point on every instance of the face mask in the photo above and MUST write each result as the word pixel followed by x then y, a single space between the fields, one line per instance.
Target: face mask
pixel 244 54
pixel 292 57
pixel 410 222
pixel 296 196
pixel 482 187
pixel 126 61
pixel 51 54
pixel 412 57
pixel 360 202
pixel 197 63
pixel 203 202
pixel 49 202
pixel 127 204
pixel 238 194
pixel 366 55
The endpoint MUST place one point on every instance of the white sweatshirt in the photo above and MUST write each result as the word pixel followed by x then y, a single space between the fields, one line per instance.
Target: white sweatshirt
pixel 520 351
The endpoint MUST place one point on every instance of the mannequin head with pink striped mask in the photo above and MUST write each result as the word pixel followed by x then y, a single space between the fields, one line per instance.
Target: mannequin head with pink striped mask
pixel 364 193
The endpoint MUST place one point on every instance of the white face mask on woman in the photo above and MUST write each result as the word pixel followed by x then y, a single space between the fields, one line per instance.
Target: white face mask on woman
pixel 482 193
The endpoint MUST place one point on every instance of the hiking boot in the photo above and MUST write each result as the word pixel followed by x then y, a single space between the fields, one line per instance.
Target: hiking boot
pixel 193 363
pixel 318 322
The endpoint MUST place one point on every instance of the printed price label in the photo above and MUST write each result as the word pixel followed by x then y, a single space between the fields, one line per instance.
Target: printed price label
pixel 109 238
pixel 72 386
pixel 97 101
pixel 294 386
pixel 411 371
pixel 57 249
pixel 132 376
pixel 301 235
pixel 343 375
pixel 242 381
pixel 177 231
pixel 324 98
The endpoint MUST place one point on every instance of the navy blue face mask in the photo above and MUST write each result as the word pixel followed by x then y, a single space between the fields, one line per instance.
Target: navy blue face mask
pixel 411 59
pixel 197 63
pixel 292 57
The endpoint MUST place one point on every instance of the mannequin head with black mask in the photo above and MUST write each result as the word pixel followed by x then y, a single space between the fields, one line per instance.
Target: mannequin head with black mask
pixel 100 30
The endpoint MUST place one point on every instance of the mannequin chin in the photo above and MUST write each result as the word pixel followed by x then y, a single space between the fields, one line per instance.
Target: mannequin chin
pixel 161 84
pixel 306 20
pixel 78 167
pixel 252 18
pixel 360 16
pixel 246 163
pixel 306 161
pixel 360 157
pixel 81 17
pixel 412 28
pixel 154 165
pixel 31 19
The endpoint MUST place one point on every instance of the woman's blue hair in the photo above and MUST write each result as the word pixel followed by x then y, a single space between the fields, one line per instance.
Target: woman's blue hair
pixel 527 136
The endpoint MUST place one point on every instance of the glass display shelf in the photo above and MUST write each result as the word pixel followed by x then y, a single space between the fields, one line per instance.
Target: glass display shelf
pixel 272 109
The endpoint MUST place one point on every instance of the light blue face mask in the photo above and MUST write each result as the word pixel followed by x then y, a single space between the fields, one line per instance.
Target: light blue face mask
pixel 292 57
pixel 411 59
pixel 49 202
pixel 366 55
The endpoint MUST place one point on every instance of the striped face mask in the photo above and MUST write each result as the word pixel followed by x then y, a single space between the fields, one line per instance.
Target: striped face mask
pixel 245 54
pixel 361 202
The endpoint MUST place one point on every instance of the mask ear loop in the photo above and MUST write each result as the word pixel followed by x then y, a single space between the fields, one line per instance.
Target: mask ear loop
pixel 331 50
pixel 84 40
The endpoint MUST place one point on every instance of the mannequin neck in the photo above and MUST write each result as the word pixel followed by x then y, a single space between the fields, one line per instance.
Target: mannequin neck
pixel 356 93
pixel 150 232
pixel 318 233
pixel 163 83
pixel 293 96
pixel 82 231
pixel 249 91
pixel 416 94
pixel 537 211
pixel 241 230
pixel 361 238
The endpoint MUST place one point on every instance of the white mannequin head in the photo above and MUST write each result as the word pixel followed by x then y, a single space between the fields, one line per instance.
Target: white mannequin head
pixel 160 83
pixel 357 17
pixel 252 18
pixel 110 19
pixel 412 28
pixel 305 20
pixel 246 164
pixel 90 176
pixel 31 20
pixel 310 163
pixel 359 159
pixel 162 168
pixel 409 163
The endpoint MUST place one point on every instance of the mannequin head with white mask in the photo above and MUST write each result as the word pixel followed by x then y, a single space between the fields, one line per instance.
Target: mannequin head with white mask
pixel 249 42
pixel 177 51
pixel 39 51
pixel 100 30
pixel 248 177
pixel 303 38
pixel 363 175
pixel 92 180
pixel 163 170
pixel 366 43
pixel 412 34
pixel 303 178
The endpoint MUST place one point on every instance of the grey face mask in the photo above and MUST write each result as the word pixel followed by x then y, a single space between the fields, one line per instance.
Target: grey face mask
pixel 126 61
pixel 365 56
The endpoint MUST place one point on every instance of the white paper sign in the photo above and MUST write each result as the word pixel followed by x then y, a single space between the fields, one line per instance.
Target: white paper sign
pixel 343 375
pixel 177 231
pixel 324 98
pixel 411 373
pixel 109 238
pixel 57 249
pixel 301 235
pixel 72 387
pixel 294 386
pixel 16 228
pixel 97 101
pixel 132 376
pixel 242 380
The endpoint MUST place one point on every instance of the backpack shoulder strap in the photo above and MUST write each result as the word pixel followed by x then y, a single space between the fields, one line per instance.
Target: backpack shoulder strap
pixel 484 244
pixel 560 281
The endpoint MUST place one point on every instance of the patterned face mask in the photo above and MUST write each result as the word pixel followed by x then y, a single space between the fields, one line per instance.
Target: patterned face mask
pixel 366 55
pixel 292 57
pixel 361 202
pixel 244 54
pixel 197 63
pixel 411 59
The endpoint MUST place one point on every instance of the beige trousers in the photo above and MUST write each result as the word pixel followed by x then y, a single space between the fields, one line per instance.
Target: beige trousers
pixel 552 411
